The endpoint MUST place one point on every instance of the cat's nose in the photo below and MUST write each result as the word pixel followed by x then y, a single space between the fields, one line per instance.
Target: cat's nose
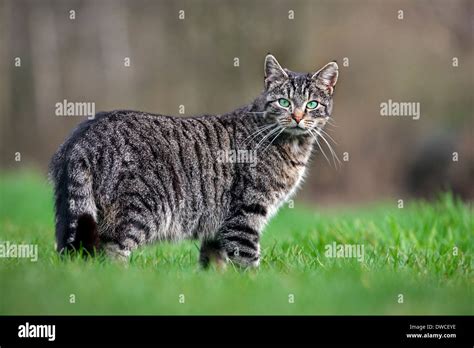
pixel 297 115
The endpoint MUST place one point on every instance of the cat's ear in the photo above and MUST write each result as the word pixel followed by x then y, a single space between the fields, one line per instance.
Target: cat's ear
pixel 326 77
pixel 273 70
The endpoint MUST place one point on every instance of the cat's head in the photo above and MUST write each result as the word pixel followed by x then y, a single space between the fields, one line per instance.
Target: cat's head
pixel 298 102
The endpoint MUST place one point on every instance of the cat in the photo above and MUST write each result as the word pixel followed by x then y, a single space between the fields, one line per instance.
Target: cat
pixel 127 178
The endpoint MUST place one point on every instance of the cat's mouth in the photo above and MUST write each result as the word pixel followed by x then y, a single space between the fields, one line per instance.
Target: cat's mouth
pixel 296 126
pixel 296 130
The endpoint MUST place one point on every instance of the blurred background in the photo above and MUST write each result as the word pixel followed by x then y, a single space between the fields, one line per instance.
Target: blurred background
pixel 78 51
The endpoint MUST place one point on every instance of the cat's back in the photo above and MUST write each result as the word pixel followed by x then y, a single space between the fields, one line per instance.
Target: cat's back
pixel 141 137
pixel 108 124
pixel 107 130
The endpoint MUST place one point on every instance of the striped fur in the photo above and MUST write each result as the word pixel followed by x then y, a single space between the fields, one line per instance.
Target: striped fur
pixel 131 178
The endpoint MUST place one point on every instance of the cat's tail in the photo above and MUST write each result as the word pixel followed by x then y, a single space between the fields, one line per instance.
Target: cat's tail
pixel 75 208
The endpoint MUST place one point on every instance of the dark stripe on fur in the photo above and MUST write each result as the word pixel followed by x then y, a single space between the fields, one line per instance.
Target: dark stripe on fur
pixel 257 209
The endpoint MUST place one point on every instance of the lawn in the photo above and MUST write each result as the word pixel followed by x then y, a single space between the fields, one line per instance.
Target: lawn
pixel 417 260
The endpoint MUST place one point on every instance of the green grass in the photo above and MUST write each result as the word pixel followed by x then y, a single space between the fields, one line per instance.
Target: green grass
pixel 407 251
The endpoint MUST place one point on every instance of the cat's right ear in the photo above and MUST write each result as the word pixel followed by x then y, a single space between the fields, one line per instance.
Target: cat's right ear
pixel 273 70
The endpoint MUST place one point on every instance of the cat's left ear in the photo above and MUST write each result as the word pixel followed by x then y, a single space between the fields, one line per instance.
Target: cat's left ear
pixel 326 77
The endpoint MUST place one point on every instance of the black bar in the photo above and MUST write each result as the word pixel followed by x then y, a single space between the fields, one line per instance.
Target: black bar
pixel 198 330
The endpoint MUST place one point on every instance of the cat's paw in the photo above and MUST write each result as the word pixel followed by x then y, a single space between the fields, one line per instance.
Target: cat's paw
pixel 245 262
pixel 213 257
pixel 114 252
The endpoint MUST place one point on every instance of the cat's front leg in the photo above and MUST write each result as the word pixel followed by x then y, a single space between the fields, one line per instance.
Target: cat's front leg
pixel 237 240
pixel 211 252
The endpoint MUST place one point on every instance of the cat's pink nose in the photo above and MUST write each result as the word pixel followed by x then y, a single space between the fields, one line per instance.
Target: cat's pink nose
pixel 297 115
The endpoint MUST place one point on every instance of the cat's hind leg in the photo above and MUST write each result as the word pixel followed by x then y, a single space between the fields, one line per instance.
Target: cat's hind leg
pixel 132 228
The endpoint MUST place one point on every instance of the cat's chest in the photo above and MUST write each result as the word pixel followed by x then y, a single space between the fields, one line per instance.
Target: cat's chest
pixel 292 176
pixel 290 169
pixel 290 179
pixel 294 158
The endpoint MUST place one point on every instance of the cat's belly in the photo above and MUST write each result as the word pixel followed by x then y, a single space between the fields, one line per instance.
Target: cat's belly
pixel 182 225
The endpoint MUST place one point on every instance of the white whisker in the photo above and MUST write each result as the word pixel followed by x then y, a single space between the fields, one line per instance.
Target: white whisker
pixel 266 136
pixel 258 131
pixel 273 139
pixel 333 153
pixel 319 145
pixel 330 137
pixel 332 123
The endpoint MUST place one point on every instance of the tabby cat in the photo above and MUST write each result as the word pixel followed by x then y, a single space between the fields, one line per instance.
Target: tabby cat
pixel 127 178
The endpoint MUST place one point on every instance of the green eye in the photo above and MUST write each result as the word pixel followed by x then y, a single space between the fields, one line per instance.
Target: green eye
pixel 284 103
pixel 312 104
